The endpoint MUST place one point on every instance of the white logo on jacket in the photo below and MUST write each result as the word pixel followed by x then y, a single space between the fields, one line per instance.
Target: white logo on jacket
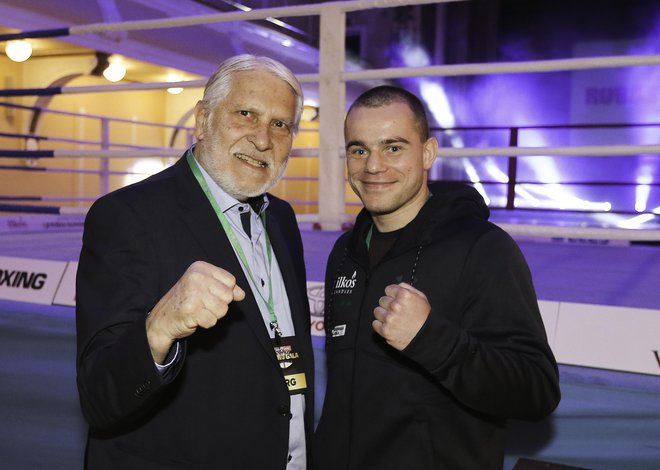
pixel 344 285
pixel 339 330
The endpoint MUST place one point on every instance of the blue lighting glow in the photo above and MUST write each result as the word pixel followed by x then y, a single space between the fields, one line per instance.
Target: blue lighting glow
pixel 626 95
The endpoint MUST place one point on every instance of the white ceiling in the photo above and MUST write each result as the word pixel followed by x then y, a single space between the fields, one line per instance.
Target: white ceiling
pixel 195 49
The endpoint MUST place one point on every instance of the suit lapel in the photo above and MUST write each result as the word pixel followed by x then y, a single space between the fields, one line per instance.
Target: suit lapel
pixel 205 227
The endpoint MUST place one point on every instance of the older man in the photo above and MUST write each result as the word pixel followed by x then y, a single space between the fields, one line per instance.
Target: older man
pixel 192 316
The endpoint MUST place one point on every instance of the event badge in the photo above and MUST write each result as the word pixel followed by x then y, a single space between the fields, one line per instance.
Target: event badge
pixel 291 363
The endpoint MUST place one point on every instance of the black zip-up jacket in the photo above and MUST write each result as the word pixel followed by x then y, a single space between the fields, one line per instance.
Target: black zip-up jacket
pixel 481 357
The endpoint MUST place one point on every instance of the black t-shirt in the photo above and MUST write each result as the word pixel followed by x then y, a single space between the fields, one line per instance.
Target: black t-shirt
pixel 380 244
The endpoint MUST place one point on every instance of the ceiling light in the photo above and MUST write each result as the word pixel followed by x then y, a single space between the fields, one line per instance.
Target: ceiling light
pixel 142 169
pixel 174 90
pixel 19 50
pixel 115 71
pixel 309 113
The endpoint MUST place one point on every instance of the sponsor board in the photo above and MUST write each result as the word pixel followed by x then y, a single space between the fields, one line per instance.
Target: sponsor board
pixel 607 337
pixel 549 314
pixel 598 336
pixel 66 293
pixel 316 296
pixel 587 335
pixel 41 223
pixel 30 280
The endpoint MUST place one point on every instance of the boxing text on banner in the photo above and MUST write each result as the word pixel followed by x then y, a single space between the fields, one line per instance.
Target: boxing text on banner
pixel 30 280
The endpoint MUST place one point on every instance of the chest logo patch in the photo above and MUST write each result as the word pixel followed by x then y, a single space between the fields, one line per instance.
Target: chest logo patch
pixel 345 285
pixel 339 330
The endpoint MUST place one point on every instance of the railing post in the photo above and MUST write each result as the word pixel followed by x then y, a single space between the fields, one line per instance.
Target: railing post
pixel 332 91
pixel 104 167
pixel 512 171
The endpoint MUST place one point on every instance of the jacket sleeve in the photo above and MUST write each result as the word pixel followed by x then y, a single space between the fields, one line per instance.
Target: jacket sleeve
pixel 496 360
pixel 116 286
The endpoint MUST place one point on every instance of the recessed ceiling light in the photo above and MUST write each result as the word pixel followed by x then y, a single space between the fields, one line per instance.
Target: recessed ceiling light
pixel 19 50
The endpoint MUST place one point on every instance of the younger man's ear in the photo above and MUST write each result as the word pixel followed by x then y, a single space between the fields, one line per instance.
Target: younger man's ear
pixel 430 152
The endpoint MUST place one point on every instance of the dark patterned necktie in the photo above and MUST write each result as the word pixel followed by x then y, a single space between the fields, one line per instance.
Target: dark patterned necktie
pixel 245 221
pixel 255 203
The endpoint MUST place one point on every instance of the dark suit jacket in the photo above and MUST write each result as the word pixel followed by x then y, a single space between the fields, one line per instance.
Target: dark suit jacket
pixel 225 404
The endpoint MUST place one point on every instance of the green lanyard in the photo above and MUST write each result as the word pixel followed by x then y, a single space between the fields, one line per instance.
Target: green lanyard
pixel 237 245
pixel 369 235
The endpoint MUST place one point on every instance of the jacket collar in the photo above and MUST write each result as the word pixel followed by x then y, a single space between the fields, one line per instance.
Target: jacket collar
pixel 449 201
pixel 203 223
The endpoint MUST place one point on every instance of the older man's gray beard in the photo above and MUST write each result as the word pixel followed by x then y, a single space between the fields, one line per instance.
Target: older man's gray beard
pixel 229 184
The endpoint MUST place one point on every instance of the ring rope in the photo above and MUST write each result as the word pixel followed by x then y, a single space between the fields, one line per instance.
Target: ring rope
pixel 543 231
pixel 595 233
pixel 584 150
pixel 61 210
pixel 90 153
pixel 256 14
pixel 65 140
pixel 46 198
pixel 591 125
pixel 70 170
pixel 91 116
pixel 142 153
pixel 553 65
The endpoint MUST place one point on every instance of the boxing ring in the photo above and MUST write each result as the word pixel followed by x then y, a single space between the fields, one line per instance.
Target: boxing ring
pixel 597 286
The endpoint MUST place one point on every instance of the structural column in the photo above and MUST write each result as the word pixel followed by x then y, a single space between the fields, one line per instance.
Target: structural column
pixel 332 91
